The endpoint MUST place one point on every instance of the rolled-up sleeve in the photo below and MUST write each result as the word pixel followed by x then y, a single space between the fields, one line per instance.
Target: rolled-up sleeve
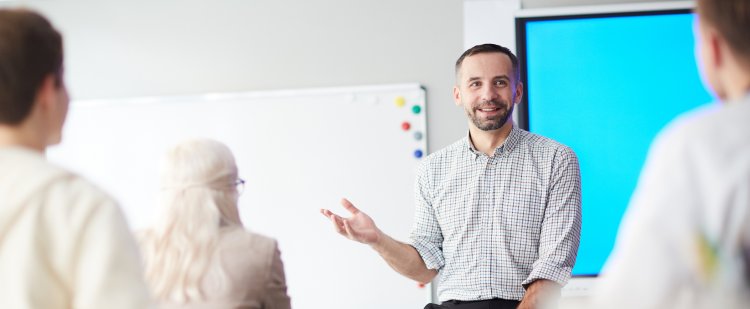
pixel 426 236
pixel 561 228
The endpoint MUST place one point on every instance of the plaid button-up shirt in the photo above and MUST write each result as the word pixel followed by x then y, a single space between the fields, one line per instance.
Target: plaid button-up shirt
pixel 492 224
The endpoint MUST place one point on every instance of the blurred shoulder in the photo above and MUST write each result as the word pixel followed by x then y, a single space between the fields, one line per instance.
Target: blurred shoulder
pixel 712 128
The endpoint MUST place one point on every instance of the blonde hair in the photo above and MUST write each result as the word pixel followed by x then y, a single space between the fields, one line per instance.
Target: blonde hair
pixel 198 198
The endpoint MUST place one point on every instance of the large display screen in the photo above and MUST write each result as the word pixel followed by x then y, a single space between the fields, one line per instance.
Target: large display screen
pixel 605 85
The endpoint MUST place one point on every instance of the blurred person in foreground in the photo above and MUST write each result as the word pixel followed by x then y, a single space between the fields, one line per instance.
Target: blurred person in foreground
pixel 685 240
pixel 63 242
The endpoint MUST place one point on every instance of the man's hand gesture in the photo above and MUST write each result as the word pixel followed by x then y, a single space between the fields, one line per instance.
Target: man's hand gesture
pixel 359 226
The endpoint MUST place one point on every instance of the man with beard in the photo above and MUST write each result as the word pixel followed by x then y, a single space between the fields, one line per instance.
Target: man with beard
pixel 498 213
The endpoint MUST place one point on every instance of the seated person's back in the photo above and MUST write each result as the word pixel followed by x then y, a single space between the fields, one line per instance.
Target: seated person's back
pixel 198 254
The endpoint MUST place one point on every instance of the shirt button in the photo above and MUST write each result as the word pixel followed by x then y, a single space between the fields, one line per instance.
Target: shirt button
pixel 479 296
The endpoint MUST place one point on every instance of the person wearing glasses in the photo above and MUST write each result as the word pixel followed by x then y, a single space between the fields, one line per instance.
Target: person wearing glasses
pixel 198 253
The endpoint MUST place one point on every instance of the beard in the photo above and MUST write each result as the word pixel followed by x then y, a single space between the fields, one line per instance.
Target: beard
pixel 505 109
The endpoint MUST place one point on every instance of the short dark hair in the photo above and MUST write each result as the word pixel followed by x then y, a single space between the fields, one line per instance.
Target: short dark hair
pixel 30 50
pixel 491 48
pixel 732 19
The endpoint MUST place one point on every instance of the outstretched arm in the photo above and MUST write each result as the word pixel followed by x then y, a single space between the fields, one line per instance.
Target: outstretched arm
pixel 400 256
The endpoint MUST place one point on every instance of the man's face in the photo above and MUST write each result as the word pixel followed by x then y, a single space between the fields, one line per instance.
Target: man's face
pixel 487 90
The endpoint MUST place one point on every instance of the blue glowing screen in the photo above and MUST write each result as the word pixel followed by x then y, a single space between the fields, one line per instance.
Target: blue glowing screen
pixel 605 86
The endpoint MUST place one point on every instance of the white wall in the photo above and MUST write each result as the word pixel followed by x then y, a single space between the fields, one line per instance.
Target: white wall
pixel 493 21
pixel 175 47
pixel 490 21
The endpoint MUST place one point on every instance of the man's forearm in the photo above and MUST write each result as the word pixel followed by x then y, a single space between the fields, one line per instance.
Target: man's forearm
pixel 540 294
pixel 404 259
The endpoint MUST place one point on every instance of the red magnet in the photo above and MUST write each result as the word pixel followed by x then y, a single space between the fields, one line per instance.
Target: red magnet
pixel 405 126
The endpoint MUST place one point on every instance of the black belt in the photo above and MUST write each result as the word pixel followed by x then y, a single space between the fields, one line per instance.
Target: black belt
pixel 495 303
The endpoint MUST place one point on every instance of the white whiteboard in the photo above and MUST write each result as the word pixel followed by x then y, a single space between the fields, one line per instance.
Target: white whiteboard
pixel 299 151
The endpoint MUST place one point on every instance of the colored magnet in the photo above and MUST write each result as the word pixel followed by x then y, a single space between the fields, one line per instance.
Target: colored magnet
pixel 405 126
pixel 421 285
pixel 416 109
pixel 400 101
pixel 418 153
pixel 418 135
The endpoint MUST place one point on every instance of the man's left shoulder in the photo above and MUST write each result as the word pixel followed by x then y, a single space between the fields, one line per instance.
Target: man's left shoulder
pixel 541 143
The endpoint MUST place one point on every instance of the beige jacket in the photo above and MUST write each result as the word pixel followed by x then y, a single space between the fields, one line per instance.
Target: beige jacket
pixel 63 242
pixel 246 272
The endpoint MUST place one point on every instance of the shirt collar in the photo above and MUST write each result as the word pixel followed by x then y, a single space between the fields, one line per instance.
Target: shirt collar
pixel 508 145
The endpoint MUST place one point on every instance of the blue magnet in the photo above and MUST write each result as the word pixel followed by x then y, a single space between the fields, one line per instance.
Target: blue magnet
pixel 418 153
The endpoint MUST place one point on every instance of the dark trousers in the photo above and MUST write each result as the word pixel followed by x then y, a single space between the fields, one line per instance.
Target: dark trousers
pixel 480 304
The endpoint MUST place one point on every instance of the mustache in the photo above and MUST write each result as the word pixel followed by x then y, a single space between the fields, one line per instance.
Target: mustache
pixel 491 104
